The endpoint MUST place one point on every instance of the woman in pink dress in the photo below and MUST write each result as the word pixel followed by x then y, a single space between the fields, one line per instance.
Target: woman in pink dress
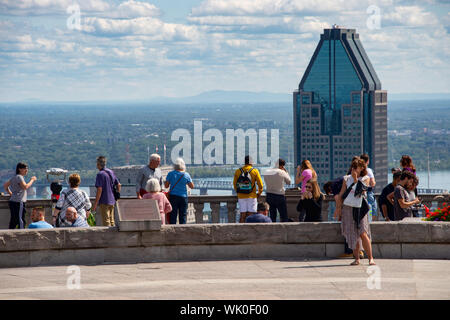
pixel 305 172
pixel 154 192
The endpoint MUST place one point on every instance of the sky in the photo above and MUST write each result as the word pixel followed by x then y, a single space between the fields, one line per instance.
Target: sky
pixel 78 50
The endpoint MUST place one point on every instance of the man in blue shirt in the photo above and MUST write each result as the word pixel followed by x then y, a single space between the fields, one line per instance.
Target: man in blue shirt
pixel 104 199
pixel 37 216
pixel 261 215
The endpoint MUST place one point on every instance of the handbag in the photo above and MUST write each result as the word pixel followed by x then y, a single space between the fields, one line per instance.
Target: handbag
pixel 351 200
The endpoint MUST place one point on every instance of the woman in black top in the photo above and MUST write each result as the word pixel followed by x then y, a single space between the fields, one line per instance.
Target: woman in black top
pixel 311 202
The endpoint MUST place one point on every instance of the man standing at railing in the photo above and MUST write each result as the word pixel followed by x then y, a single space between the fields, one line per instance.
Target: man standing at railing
pixel 148 172
pixel 245 181
pixel 105 182
pixel 275 179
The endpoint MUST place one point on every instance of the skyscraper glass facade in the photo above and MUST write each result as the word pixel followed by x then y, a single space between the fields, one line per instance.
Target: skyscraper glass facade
pixel 334 105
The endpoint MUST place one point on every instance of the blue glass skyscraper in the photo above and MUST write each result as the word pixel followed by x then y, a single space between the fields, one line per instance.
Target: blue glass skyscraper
pixel 339 109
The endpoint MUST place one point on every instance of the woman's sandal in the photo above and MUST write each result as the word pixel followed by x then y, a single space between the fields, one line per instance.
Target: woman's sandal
pixel 372 263
pixel 355 263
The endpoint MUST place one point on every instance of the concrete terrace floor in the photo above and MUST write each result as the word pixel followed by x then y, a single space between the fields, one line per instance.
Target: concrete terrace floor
pixel 230 280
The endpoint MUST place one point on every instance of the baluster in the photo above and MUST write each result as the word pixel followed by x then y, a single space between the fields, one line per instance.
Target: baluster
pixel 231 206
pixel 198 212
pixel 215 212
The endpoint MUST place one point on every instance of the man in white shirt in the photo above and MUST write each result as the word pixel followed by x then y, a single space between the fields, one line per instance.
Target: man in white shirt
pixel 275 179
pixel 370 195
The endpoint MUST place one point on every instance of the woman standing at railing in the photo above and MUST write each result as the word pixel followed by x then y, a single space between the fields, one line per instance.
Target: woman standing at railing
pixel 304 173
pixel 356 233
pixel 178 197
pixel 17 189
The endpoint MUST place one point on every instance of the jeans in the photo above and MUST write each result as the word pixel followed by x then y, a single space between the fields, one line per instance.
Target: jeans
pixel 372 203
pixel 277 201
pixel 179 208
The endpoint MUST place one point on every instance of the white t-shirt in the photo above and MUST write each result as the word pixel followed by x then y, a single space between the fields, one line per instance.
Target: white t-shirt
pixel 349 180
pixel 370 173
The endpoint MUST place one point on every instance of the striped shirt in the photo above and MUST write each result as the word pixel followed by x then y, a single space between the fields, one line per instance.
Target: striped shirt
pixel 73 198
pixel 145 173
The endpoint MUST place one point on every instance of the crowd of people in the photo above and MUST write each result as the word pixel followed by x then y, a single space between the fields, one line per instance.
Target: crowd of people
pixel 353 195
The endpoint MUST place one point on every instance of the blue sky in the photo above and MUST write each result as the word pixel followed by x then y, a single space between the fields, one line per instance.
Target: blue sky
pixel 128 49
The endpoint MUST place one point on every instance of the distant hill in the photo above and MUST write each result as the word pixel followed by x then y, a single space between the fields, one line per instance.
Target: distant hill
pixel 221 96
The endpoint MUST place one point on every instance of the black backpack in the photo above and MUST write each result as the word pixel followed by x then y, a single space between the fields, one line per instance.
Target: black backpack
pixel 244 182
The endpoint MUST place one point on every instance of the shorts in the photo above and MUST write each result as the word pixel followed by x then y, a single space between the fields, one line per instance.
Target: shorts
pixel 248 205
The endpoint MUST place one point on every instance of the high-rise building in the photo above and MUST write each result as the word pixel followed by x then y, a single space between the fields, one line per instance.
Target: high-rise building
pixel 340 110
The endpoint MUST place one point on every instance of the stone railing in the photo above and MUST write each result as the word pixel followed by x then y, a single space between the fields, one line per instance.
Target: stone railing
pixel 223 209
pixel 230 241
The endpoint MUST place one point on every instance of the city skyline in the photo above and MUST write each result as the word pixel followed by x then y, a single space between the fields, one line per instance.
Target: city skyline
pixel 136 50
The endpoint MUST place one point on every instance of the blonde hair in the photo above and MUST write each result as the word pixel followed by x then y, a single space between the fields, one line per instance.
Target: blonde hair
pixel 306 164
pixel 315 189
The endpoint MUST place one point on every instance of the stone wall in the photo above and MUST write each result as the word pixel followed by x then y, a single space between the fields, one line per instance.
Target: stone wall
pixel 66 246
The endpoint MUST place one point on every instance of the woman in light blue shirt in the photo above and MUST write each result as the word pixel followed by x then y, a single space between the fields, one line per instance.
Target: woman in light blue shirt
pixel 177 180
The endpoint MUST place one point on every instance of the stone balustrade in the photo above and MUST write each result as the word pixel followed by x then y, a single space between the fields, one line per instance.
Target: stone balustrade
pixel 230 241
pixel 218 204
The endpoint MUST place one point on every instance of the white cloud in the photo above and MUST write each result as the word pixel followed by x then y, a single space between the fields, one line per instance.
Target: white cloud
pixel 140 26
pixel 46 44
pixel 50 7
pixel 413 16
pixel 263 7
pixel 280 7
pixel 270 42
pixel 135 9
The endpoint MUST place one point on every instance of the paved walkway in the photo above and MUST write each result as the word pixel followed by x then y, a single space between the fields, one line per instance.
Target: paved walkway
pixel 243 279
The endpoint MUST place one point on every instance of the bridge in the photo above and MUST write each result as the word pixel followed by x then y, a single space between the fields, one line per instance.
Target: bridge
pixel 204 184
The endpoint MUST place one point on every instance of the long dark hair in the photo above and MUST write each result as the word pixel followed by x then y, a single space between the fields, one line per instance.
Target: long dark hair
pixel 359 163
pixel 21 165
pixel 406 162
